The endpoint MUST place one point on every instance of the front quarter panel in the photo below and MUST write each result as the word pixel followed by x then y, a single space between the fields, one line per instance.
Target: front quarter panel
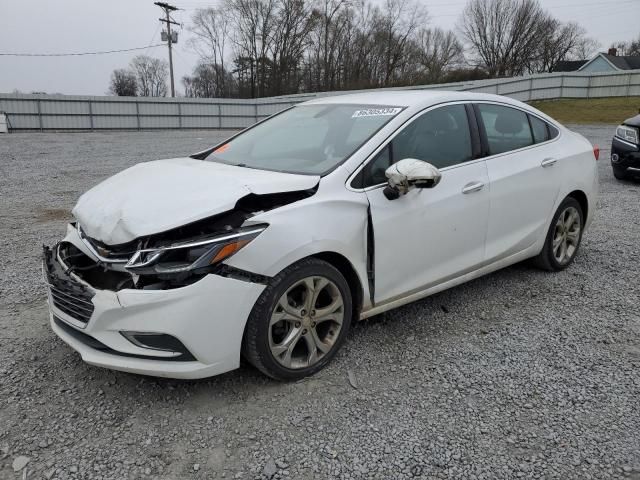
pixel 332 220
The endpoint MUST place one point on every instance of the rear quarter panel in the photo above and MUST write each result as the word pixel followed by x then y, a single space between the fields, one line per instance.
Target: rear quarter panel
pixel 578 169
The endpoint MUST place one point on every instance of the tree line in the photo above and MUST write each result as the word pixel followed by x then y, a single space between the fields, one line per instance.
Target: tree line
pixel 258 48
pixel 144 77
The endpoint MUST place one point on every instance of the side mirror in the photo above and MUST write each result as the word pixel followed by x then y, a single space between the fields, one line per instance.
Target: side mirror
pixel 410 173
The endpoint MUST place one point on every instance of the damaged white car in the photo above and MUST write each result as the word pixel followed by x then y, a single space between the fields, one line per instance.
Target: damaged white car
pixel 271 244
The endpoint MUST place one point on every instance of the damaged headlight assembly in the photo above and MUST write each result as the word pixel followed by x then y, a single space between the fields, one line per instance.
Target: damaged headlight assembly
pixel 191 255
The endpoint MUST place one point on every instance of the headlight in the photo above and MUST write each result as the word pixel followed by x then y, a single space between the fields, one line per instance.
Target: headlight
pixel 628 134
pixel 191 255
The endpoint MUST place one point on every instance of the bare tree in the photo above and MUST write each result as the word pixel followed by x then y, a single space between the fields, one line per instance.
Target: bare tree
pixel 326 54
pixel 211 29
pixel 151 75
pixel 628 48
pixel 504 34
pixel 290 38
pixel 286 46
pixel 123 83
pixel 437 52
pixel 209 81
pixel 585 49
pixel 254 23
pixel 331 28
pixel 363 45
pixel 399 22
pixel 558 42
pixel 362 59
pixel 634 47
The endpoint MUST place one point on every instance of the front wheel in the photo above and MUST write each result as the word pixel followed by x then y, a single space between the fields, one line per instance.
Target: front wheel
pixel 299 322
pixel 563 238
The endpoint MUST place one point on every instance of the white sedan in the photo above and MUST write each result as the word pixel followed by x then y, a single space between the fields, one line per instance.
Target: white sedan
pixel 272 243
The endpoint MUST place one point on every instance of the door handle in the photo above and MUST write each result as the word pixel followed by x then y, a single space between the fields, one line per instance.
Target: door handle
pixel 548 162
pixel 473 187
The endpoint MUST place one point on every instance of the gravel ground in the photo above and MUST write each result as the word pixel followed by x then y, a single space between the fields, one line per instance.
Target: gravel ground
pixel 522 374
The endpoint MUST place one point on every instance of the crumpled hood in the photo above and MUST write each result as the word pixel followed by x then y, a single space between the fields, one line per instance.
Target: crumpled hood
pixel 157 196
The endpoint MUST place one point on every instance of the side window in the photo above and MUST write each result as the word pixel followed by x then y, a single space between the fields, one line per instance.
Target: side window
pixel 374 171
pixel 553 132
pixel 539 129
pixel 440 137
pixel 507 128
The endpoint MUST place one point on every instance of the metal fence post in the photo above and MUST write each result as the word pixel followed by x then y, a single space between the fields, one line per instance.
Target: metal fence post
pixel 179 114
pixel 90 115
pixel 589 87
pixel 530 89
pixel 562 86
pixel 255 109
pixel 219 116
pixel 138 114
pixel 39 114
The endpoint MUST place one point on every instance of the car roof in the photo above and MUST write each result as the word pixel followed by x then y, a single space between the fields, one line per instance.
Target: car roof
pixel 408 98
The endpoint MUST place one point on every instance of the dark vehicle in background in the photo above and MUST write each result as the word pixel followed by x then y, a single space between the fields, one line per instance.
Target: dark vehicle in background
pixel 625 149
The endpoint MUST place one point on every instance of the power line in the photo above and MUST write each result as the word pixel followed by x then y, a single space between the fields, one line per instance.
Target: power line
pixel 77 54
pixel 152 38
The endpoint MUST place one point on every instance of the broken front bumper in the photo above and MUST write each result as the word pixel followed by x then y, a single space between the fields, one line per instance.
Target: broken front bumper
pixel 198 327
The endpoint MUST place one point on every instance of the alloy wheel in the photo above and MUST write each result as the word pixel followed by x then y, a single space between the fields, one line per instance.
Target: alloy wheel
pixel 306 322
pixel 566 235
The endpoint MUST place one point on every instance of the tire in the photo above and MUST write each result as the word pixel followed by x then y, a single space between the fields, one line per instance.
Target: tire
pixel 284 327
pixel 620 173
pixel 551 259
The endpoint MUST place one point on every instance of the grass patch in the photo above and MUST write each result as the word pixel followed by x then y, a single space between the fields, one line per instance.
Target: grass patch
pixel 590 110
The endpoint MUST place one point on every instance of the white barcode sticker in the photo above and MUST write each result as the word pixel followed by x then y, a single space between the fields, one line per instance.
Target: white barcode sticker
pixel 376 112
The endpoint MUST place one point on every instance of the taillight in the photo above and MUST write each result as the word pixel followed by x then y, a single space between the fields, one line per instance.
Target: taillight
pixel 596 152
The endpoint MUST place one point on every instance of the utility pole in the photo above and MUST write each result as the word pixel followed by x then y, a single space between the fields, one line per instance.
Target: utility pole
pixel 167 9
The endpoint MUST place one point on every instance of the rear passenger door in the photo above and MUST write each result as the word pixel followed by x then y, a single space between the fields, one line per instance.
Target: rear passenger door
pixel 524 183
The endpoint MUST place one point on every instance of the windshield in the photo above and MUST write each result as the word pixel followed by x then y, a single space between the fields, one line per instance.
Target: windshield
pixel 308 139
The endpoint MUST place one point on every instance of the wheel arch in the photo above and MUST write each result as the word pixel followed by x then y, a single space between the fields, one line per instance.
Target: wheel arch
pixel 582 199
pixel 348 271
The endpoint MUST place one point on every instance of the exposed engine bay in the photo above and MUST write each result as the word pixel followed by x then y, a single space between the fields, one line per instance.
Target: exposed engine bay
pixel 177 257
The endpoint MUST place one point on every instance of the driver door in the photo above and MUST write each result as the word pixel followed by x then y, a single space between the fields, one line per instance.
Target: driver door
pixel 429 236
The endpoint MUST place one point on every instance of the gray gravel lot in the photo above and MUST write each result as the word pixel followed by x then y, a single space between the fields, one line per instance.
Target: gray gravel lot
pixel 521 374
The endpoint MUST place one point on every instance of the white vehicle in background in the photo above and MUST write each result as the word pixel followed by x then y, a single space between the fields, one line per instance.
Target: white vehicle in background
pixel 272 243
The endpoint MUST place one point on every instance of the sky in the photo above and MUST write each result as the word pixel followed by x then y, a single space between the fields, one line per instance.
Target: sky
pixel 69 26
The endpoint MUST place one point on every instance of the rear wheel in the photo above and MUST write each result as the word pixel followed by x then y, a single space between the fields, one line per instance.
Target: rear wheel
pixel 563 238
pixel 299 322
pixel 620 173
